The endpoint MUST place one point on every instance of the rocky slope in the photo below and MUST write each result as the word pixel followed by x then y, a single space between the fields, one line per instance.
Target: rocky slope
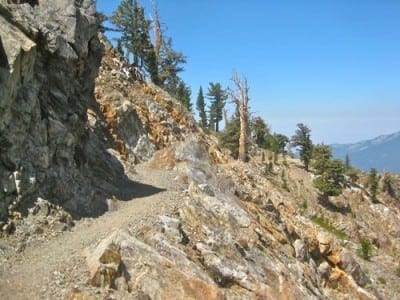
pixel 74 127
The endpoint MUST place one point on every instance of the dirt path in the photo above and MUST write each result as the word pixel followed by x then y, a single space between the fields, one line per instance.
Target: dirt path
pixel 50 269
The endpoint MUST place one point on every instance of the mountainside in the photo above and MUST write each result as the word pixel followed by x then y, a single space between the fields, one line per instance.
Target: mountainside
pixel 110 190
pixel 381 153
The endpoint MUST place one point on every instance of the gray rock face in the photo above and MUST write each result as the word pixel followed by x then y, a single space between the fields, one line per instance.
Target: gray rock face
pixel 349 264
pixel 301 250
pixel 50 55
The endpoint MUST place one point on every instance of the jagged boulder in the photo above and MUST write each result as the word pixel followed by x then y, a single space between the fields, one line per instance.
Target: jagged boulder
pixel 145 270
pixel 103 263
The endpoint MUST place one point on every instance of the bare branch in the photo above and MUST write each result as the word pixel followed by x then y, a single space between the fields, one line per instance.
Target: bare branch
pixel 241 98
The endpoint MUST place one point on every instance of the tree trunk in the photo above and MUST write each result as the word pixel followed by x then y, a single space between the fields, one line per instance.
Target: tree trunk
pixel 241 98
pixel 243 115
pixel 157 31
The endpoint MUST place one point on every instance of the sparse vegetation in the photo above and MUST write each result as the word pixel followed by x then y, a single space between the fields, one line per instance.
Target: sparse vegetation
pixel 321 221
pixel 365 248
pixel 381 280
pixel 304 205
pixel 397 271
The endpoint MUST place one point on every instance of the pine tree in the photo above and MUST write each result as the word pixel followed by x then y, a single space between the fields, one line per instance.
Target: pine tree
pixel 229 137
pixel 330 172
pixel 170 65
pixel 260 131
pixel 160 60
pixel 169 61
pixel 218 97
pixel 302 139
pixel 331 180
pixel 151 66
pixel 130 21
pixel 281 141
pixel 321 157
pixel 201 108
pixel 183 95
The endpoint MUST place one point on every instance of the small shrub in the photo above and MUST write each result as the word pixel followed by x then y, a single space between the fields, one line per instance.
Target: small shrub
pixel 397 271
pixel 365 248
pixel 304 205
pixel 381 280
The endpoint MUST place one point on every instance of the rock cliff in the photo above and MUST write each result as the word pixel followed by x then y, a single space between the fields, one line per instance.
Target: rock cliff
pixel 50 145
pixel 73 129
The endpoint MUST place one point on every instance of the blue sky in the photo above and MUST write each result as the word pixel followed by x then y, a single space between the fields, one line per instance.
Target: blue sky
pixel 331 64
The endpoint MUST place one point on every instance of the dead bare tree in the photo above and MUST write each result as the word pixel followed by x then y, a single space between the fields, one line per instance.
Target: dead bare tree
pixel 241 98
pixel 158 34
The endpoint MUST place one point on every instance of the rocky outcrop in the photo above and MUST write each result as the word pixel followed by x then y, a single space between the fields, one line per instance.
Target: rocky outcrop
pixel 54 138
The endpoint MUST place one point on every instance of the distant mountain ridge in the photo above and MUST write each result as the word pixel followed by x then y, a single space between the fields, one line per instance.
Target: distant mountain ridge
pixel 382 153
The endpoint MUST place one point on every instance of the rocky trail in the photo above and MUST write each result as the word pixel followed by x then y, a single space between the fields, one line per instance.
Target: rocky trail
pixel 50 268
